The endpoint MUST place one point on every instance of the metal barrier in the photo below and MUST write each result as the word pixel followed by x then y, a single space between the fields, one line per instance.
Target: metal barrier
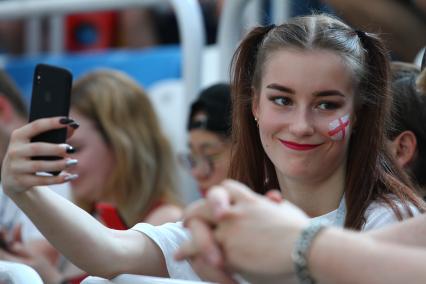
pixel 230 28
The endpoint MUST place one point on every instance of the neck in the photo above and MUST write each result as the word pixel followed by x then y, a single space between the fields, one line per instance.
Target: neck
pixel 315 197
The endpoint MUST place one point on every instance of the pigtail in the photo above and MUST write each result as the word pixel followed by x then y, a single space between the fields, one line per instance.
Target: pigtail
pixel 390 181
pixel 247 155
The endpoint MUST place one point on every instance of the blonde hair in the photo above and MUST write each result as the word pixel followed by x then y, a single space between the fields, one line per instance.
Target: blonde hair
pixel 145 167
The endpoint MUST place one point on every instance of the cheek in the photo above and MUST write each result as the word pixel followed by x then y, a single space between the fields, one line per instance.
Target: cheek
pixel 271 123
pixel 335 129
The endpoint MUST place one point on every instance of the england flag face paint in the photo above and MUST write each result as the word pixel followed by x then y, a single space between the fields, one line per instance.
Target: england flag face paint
pixel 339 128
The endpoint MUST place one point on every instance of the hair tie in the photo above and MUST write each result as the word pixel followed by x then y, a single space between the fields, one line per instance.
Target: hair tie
pixel 360 34
pixel 269 28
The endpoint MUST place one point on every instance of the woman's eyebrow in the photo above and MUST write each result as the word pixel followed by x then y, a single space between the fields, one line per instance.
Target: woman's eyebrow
pixel 329 93
pixel 280 88
pixel 325 93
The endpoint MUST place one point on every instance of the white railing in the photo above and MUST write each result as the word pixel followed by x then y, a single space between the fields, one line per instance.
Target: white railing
pixel 230 28
pixel 188 15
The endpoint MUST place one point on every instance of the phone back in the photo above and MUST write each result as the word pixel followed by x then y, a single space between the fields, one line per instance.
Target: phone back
pixel 50 97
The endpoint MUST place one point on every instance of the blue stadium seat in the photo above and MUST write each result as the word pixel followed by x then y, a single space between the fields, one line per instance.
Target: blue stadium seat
pixel 147 66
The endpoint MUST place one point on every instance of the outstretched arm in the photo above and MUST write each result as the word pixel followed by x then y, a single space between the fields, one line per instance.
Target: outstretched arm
pixel 341 256
pixel 410 232
pixel 82 239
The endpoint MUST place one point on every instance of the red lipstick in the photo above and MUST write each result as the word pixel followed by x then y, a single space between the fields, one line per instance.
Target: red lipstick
pixel 299 147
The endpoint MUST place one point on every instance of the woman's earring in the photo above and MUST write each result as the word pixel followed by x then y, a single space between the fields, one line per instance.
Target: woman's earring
pixel 257 121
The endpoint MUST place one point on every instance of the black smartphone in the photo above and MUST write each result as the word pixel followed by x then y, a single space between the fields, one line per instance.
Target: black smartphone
pixel 50 97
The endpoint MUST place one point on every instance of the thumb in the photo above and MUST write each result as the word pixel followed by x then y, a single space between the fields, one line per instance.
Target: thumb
pixel 274 196
pixel 238 191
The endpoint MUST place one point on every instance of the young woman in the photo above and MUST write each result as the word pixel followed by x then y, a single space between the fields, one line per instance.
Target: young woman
pixel 407 133
pixel 209 136
pixel 309 107
pixel 126 167
pixel 124 159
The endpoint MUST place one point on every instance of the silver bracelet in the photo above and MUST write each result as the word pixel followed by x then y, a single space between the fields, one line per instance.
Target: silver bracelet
pixel 301 250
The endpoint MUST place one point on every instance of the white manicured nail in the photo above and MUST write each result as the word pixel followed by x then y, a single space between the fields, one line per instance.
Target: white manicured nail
pixel 71 162
pixel 69 177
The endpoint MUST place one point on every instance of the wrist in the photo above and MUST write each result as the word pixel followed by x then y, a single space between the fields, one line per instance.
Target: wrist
pixel 301 251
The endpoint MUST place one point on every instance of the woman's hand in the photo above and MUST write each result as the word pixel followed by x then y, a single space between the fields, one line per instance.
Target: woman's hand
pixel 19 171
pixel 244 228
pixel 21 254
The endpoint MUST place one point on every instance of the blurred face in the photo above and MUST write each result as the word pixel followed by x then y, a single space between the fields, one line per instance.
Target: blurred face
pixel 305 108
pixel 210 155
pixel 95 160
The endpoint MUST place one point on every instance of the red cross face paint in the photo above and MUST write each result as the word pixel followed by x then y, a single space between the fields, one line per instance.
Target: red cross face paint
pixel 339 128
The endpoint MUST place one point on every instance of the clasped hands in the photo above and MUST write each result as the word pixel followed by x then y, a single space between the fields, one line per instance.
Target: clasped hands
pixel 236 231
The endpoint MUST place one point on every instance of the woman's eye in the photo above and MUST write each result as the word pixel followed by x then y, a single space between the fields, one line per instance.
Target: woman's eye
pixel 328 106
pixel 282 101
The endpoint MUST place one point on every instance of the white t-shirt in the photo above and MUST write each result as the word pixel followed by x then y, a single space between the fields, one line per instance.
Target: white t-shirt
pixel 377 215
pixel 170 236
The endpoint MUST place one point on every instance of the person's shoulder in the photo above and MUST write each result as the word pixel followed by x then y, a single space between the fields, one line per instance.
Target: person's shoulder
pixel 380 214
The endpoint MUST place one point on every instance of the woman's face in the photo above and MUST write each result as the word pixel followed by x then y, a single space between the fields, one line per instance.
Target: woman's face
pixel 305 109
pixel 95 160
pixel 211 156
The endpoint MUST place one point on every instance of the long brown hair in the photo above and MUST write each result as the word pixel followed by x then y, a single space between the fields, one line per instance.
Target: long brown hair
pixel 124 116
pixel 374 177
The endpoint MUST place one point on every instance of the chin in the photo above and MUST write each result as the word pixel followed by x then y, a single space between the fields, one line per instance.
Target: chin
pixel 297 173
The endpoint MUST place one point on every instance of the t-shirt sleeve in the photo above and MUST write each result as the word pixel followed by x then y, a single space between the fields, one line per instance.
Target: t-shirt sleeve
pixel 168 238
pixel 379 215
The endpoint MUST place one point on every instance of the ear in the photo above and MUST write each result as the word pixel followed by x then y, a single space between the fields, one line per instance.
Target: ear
pixel 6 110
pixel 404 148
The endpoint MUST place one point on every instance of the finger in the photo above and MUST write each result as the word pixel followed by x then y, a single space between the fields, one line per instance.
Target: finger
pixel 274 196
pixel 238 191
pixel 71 128
pixel 37 166
pixel 37 149
pixel 24 182
pixel 186 250
pixel 202 244
pixel 210 273
pixel 219 201
pixel 198 209
pixel 39 126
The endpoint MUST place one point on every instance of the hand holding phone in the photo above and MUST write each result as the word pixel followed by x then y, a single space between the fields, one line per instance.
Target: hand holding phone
pixel 50 97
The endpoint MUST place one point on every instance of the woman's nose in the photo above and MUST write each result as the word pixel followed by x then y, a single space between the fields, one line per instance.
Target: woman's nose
pixel 301 124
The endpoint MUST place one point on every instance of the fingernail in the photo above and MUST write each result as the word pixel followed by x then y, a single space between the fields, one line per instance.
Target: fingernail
pixel 71 162
pixel 70 149
pixel 66 120
pixel 74 125
pixel 69 177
